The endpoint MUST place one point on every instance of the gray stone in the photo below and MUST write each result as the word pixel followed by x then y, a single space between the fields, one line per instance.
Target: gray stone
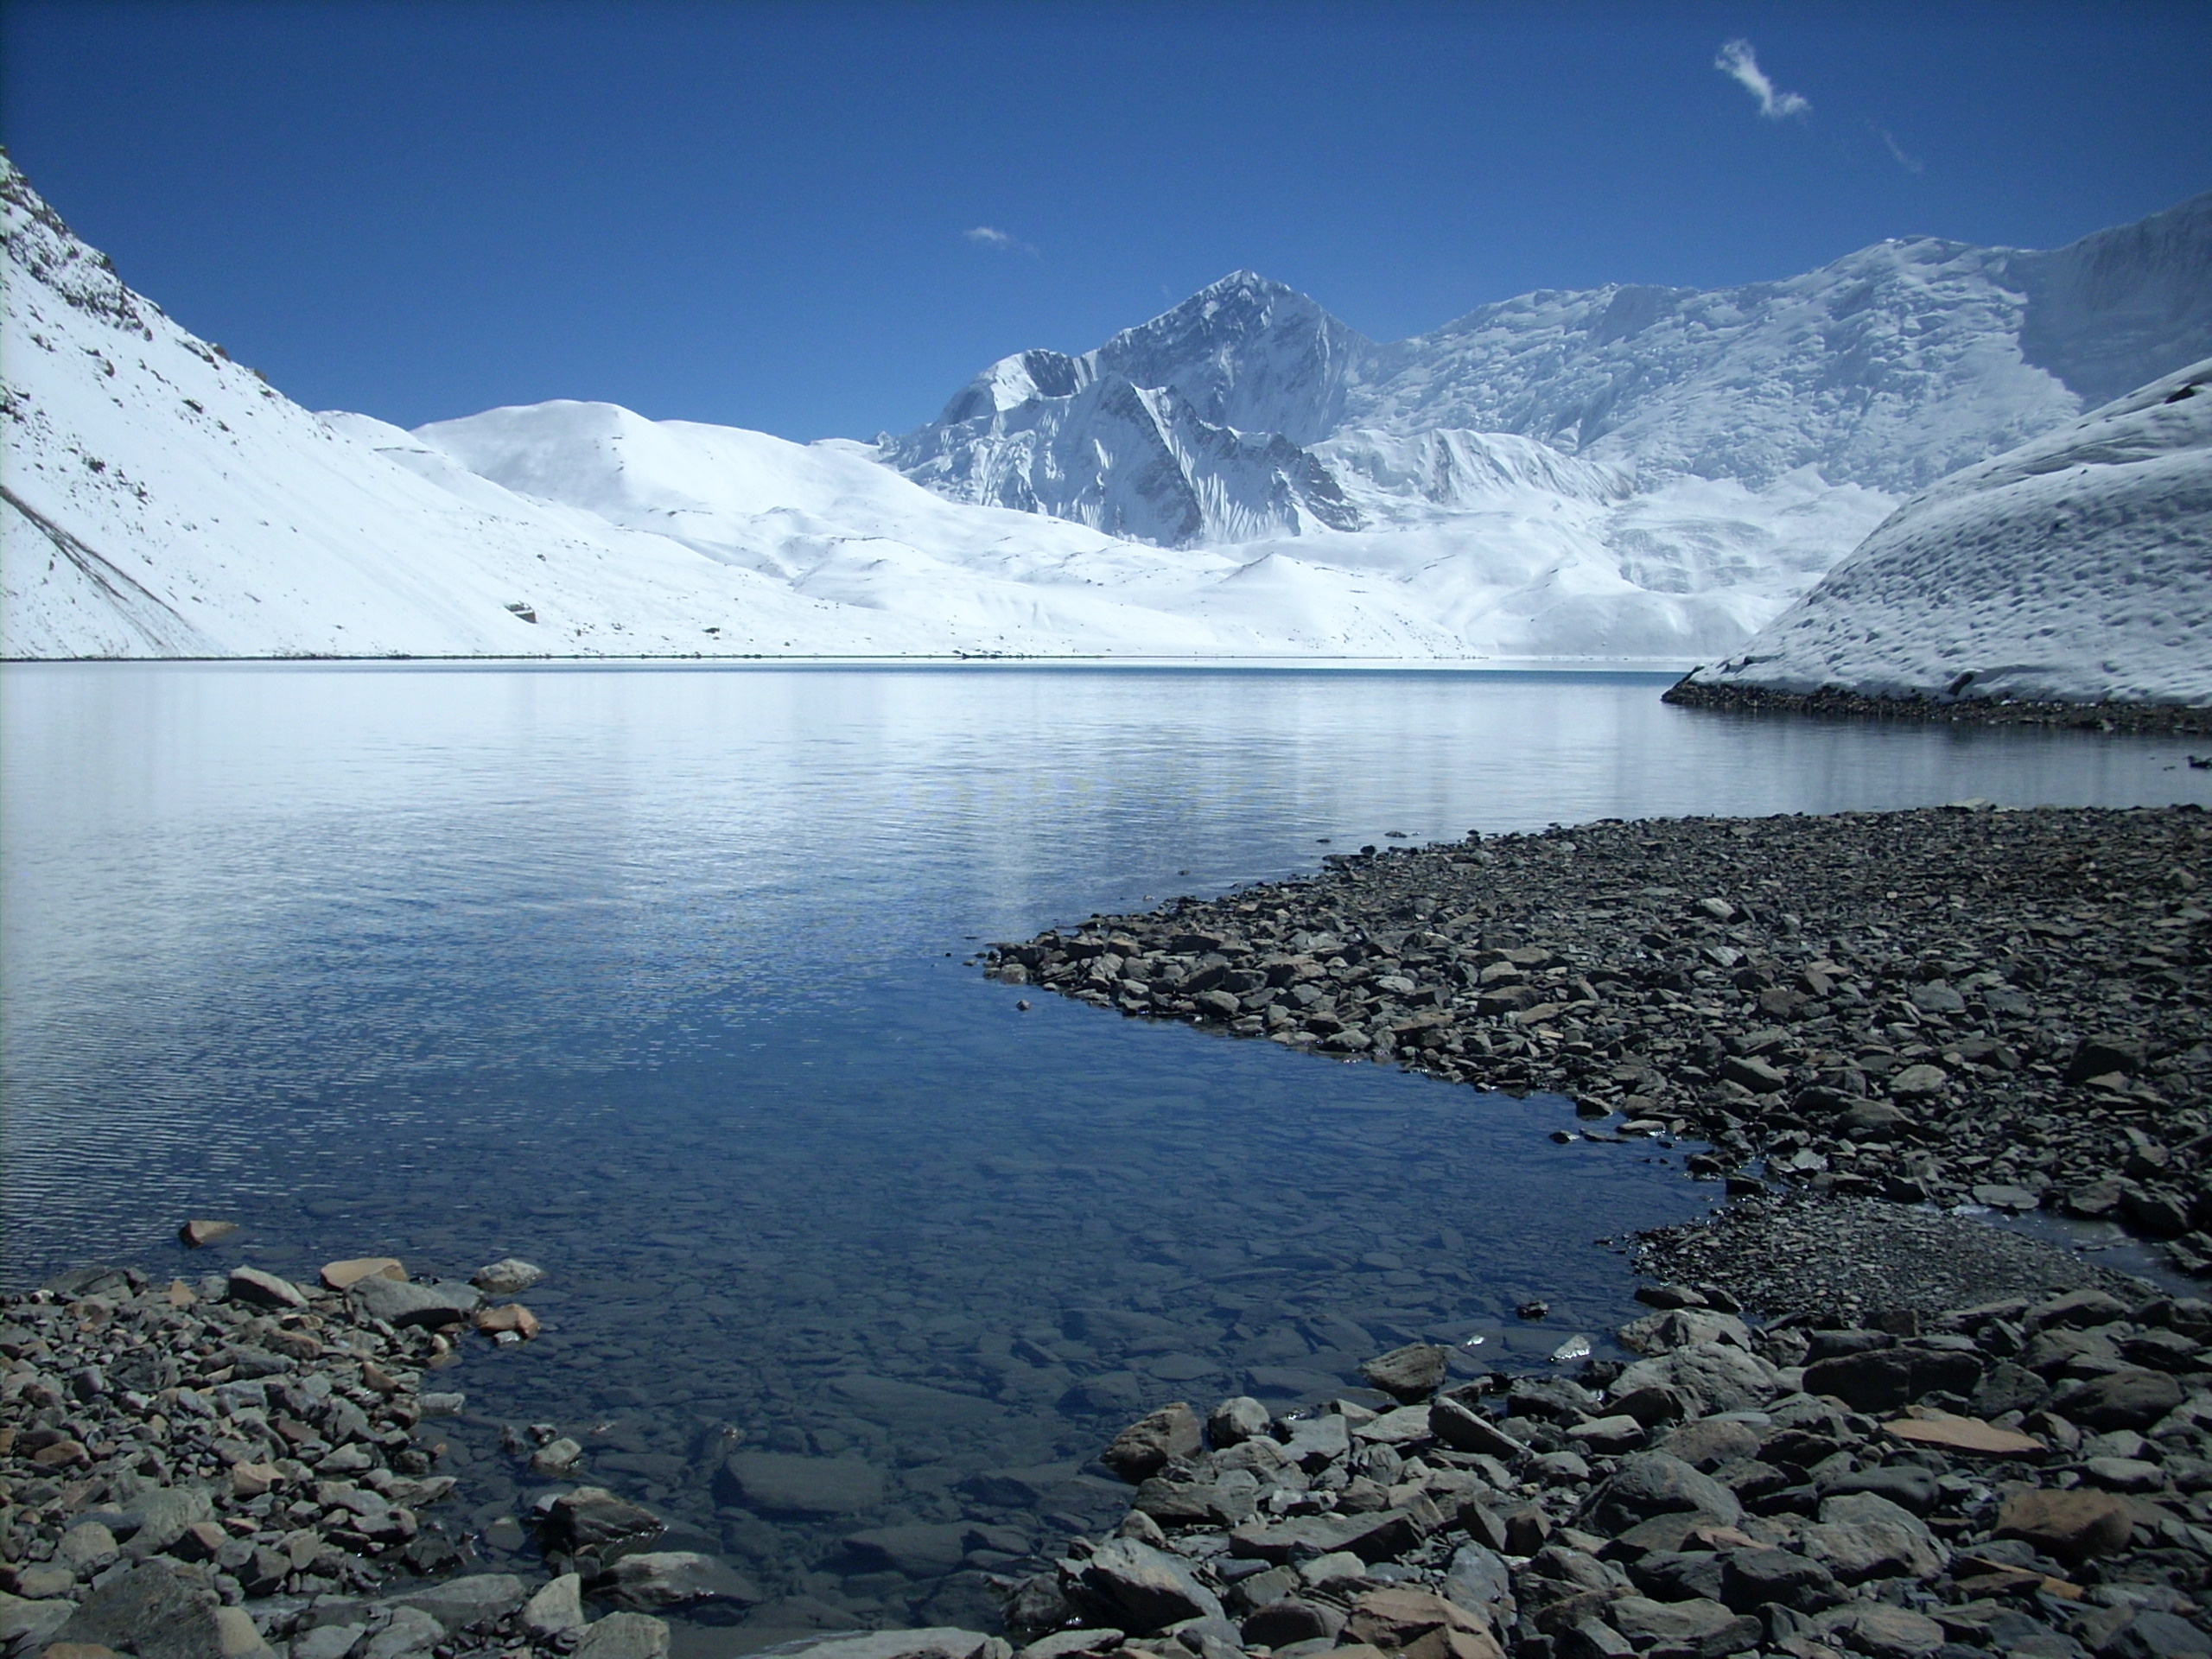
pixel 2154 1635
pixel 260 1290
pixel 1315 1442
pixel 26 1624
pixel 1477 1577
pixel 241 1637
pixel 912 1405
pixel 334 1640
pixel 460 1604
pixel 936 1642
pixel 86 1548
pixel 1466 1429
pixel 1704 1629
pixel 1236 1420
pixel 654 1581
pixel 1882 1632
pixel 1410 1373
pixel 556 1608
pixel 1712 1441
pixel 1653 1483
pixel 1709 1376
pixel 1861 1536
pixel 509 1276
pixel 557 1457
pixel 920 1549
pixel 624 1636
pixel 1145 1446
pixel 1292 1619
pixel 1609 1435
pixel 1381 1536
pixel 151 1610
pixel 1679 1575
pixel 2129 1399
pixel 410 1631
pixel 1754 1578
pixel 403 1302
pixel 1143 1589
pixel 778 1483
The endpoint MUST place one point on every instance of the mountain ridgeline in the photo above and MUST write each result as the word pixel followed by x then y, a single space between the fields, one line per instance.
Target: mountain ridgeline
pixel 1887 369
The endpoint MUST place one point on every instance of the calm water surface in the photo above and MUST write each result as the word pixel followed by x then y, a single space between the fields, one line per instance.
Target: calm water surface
pixel 654 975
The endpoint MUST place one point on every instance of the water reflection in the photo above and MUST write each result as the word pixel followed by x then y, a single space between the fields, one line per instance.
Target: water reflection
pixel 654 976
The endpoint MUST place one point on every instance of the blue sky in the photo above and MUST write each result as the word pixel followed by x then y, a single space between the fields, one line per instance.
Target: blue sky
pixel 760 214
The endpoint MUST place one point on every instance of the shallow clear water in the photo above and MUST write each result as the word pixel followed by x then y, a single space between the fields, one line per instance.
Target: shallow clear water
pixel 654 975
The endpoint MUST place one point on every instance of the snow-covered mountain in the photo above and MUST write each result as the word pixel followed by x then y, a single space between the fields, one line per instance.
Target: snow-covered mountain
pixel 1887 369
pixel 2077 567
pixel 1225 481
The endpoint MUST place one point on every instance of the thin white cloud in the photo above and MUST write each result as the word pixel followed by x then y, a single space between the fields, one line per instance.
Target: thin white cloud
pixel 1911 164
pixel 986 236
pixel 1738 62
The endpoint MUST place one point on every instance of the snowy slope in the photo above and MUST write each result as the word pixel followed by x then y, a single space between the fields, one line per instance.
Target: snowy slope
pixel 1481 545
pixel 1888 368
pixel 2077 566
pixel 159 499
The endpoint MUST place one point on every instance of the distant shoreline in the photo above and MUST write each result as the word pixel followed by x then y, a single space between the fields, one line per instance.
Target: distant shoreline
pixel 2161 719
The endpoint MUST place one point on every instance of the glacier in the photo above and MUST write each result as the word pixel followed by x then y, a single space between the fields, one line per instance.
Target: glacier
pixel 1243 477
pixel 2077 568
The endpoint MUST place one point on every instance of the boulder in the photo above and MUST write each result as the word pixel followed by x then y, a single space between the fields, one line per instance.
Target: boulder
pixel 1653 1483
pixel 1144 1448
pixel 1421 1624
pixel 556 1608
pixel 1292 1619
pixel 1696 1629
pixel 1887 1379
pixel 1413 1372
pixel 1708 1376
pixel 344 1275
pixel 152 1610
pixel 592 1523
pixel 2128 1399
pixel 1235 1421
pixel 1882 1631
pixel 399 1302
pixel 259 1289
pixel 2073 1526
pixel 1463 1428
pixel 779 1483
pixel 1752 1579
pixel 623 1635
pixel 462 1604
pixel 1142 1589
pixel 659 1580
pixel 920 1549
pixel 509 1276
pixel 1862 1536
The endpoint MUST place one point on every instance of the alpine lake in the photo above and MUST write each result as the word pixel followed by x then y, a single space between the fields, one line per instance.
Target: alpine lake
pixel 657 976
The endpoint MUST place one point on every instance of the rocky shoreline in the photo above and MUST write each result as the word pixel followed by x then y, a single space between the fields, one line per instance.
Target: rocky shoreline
pixel 2160 718
pixel 1961 1006
pixel 2032 1475
pixel 2026 1477
pixel 241 1467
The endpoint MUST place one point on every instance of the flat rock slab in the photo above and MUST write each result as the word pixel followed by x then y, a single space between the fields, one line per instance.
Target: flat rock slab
pixel 1967 1435
pixel 479 1598
pixel 780 1483
pixel 935 1641
pixel 398 1303
pixel 151 1611
pixel 911 1405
